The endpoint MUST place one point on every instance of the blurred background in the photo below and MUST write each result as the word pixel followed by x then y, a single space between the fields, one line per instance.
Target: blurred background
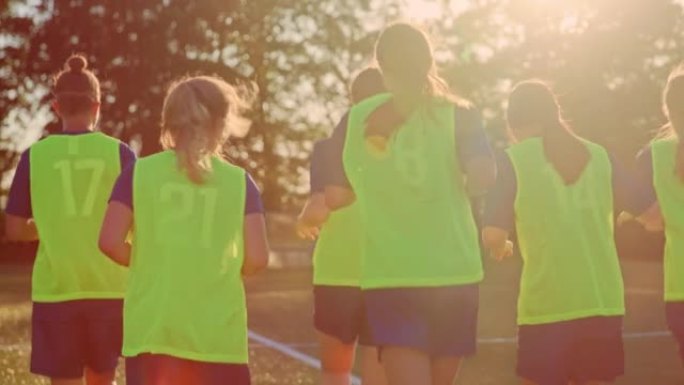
pixel 608 59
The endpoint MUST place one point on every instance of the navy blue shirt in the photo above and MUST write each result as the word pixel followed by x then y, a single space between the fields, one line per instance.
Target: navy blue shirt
pixel 19 199
pixel 318 166
pixel 644 168
pixel 123 192
pixel 471 142
pixel 500 204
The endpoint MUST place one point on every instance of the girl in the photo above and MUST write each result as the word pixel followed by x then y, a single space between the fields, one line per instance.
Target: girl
pixel 560 193
pixel 662 165
pixel 338 305
pixel 58 196
pixel 409 157
pixel 198 226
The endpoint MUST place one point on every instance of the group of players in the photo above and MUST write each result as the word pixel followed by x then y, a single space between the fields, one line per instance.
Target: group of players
pixel 397 261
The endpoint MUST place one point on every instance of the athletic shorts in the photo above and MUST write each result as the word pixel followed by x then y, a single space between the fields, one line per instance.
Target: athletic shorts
pixel 153 369
pixel 582 350
pixel 675 320
pixel 67 337
pixel 440 321
pixel 339 312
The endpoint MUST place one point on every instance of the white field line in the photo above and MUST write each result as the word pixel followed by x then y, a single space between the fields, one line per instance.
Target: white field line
pixel 292 353
pixel 258 342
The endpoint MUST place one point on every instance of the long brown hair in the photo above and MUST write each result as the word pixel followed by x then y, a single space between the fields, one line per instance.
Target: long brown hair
pixel 199 115
pixel 75 87
pixel 405 51
pixel 673 97
pixel 532 103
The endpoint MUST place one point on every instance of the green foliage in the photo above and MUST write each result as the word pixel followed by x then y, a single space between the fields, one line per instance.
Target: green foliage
pixel 607 58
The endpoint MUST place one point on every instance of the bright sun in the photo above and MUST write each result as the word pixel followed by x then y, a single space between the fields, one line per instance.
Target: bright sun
pixel 421 10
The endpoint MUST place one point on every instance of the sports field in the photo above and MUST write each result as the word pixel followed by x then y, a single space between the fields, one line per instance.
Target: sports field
pixel 283 345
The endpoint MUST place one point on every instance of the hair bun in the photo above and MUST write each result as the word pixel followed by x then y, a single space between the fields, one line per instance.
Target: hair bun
pixel 77 63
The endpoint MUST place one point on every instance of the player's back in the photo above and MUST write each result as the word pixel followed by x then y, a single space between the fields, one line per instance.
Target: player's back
pixel 71 178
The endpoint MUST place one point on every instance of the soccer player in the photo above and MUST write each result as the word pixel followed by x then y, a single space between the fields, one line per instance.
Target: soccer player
pixel 339 314
pixel 409 158
pixel 662 167
pixel 198 227
pixel 59 196
pixel 560 192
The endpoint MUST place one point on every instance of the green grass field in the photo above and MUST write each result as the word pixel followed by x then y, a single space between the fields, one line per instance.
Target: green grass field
pixel 280 305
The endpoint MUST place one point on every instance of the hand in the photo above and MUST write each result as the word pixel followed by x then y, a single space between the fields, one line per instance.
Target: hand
pixel 503 252
pixel 306 231
pixel 624 217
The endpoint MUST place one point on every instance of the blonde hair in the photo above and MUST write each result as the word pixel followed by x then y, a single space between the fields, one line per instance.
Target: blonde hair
pixel 672 97
pixel 199 115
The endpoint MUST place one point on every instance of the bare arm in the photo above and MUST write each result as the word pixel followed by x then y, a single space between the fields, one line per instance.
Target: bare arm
pixel 113 242
pixel 256 244
pixel 19 229
pixel 337 197
pixel 313 216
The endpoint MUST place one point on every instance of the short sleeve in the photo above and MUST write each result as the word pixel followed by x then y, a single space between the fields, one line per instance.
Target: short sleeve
pixel 500 201
pixel 126 156
pixel 634 191
pixel 471 140
pixel 19 199
pixel 123 187
pixel 318 167
pixel 253 202
pixel 336 176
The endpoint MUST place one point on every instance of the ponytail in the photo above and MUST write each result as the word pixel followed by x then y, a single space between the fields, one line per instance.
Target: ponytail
pixel 405 53
pixel 199 115
pixel 533 104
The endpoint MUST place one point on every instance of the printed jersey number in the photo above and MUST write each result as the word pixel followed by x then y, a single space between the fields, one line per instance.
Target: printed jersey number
pixel 182 202
pixel 67 169
pixel 411 161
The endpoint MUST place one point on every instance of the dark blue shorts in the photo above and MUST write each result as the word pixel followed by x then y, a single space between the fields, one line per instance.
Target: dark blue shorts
pixel 675 320
pixel 582 350
pixel 152 369
pixel 339 312
pixel 67 337
pixel 440 321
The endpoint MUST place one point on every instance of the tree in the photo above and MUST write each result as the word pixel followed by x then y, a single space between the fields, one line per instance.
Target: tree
pixel 284 47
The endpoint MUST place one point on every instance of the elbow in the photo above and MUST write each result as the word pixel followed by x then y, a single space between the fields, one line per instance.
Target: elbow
pixel 337 198
pixel 106 247
pixel 255 263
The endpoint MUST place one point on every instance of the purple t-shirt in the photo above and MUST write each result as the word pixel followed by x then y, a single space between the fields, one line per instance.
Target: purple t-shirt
pixel 318 166
pixel 123 192
pixel 500 203
pixel 19 199
pixel 471 142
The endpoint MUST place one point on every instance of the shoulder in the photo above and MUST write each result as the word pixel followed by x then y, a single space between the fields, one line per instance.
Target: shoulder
pixel 466 110
pixel 42 143
pixel 228 169
pixel 368 105
pixel 662 143
pixel 525 145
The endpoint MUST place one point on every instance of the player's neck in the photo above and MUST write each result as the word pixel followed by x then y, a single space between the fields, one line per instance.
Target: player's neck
pixel 76 126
